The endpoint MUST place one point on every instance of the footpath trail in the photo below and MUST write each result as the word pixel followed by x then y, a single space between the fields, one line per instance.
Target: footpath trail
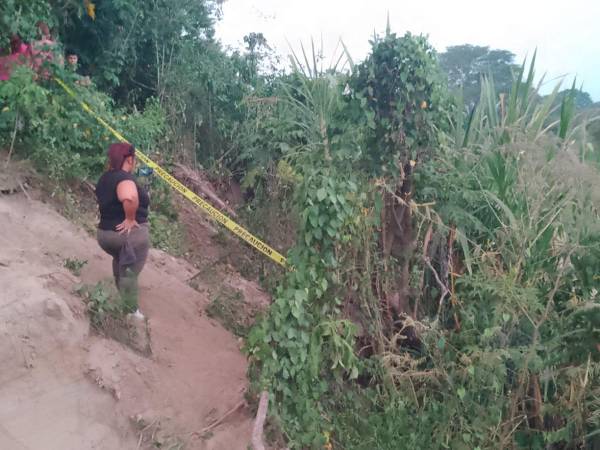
pixel 62 386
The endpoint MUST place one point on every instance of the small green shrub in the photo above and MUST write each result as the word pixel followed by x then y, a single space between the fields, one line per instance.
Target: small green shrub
pixel 103 303
pixel 74 265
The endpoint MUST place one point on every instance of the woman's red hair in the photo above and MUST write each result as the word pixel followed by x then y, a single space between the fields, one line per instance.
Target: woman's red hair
pixel 117 154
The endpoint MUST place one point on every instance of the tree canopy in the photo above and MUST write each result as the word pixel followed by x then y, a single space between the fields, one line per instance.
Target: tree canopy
pixel 466 64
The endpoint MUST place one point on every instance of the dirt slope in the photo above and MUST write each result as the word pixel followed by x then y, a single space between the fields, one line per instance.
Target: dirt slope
pixel 64 387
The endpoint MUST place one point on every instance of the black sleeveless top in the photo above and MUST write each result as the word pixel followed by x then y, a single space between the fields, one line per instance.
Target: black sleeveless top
pixel 111 209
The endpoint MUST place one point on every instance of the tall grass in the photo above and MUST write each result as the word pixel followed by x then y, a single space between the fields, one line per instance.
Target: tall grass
pixel 501 118
pixel 514 184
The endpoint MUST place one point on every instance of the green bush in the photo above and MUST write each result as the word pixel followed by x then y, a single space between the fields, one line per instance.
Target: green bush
pixel 54 131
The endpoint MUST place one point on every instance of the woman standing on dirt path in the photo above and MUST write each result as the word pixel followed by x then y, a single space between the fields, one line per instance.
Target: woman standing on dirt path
pixel 123 230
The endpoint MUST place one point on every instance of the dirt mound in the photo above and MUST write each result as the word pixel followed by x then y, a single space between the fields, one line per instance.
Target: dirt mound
pixel 65 387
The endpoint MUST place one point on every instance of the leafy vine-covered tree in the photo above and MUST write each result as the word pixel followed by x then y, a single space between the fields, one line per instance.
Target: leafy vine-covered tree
pixel 398 90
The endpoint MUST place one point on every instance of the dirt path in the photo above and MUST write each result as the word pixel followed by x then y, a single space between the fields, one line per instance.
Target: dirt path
pixel 63 387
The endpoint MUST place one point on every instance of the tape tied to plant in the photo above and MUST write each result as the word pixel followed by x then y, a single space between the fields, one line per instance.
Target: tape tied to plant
pixel 213 212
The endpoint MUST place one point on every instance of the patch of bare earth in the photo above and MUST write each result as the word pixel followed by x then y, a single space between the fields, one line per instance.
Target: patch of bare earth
pixel 63 386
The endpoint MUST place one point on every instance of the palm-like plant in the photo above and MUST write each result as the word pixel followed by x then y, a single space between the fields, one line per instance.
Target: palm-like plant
pixel 524 112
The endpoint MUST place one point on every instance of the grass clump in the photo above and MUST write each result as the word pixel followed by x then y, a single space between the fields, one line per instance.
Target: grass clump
pixel 74 265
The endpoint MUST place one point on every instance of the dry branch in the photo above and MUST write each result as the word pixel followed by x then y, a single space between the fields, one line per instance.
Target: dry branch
pixel 253 100
pixel 442 286
pixel 451 241
pixel 535 417
pixel 12 141
pixel 426 242
pixel 90 186
pixel 219 421
pixel 24 191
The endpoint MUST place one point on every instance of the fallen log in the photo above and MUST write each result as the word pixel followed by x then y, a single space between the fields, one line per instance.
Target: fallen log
pixel 259 423
pixel 194 180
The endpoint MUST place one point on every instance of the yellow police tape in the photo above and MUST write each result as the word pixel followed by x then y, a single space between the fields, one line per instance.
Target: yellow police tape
pixel 187 193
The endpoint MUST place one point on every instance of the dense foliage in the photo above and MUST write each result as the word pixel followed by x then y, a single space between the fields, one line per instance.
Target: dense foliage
pixel 444 291
pixel 469 318
pixel 48 126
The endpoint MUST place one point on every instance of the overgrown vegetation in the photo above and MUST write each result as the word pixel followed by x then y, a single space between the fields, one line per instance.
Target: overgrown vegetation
pixel 62 139
pixel 445 246
pixel 440 296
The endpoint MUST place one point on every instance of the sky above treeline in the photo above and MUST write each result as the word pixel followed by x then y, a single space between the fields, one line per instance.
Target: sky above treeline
pixel 566 34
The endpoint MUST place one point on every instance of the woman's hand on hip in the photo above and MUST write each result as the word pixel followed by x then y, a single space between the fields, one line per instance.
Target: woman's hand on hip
pixel 127 225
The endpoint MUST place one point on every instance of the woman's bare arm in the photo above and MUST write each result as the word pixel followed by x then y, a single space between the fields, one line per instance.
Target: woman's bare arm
pixel 127 194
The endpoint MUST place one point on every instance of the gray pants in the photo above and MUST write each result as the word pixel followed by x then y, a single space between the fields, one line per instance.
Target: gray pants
pixel 126 274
